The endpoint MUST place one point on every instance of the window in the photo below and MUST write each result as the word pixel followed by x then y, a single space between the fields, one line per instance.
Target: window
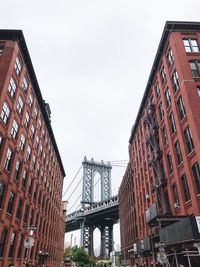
pixel 46 140
pixel 175 194
pixel 42 175
pixel 185 187
pixel 28 153
pixel 20 105
pixel 1 48
pixel 195 68
pixel 35 112
pixel 26 121
pixel 181 108
pixel 2 193
pixel 167 98
pixel 169 162
pixel 8 159
pixel 172 123
pixel 43 133
pixel 157 87
pixel 30 190
pixel 32 131
pixel 5 113
pixel 3 241
pixel 36 142
pixel 30 100
pixel 14 129
pixel 12 245
pixel 39 197
pixel 19 209
pixel 22 142
pixel 11 202
pixel 163 74
pixel 20 242
pixel 1 140
pixel 196 174
pixel 33 162
pixel 38 169
pixel 161 111
pixel 165 135
pixel 26 213
pixel 41 149
pixel 175 81
pixel 17 66
pixel 39 124
pixel 170 58
pixel 35 192
pixel 188 139
pixel 191 45
pixel 198 90
pixel 178 152
pixel 17 170
pixel 12 87
pixel 25 84
pixel 24 178
pixel 31 217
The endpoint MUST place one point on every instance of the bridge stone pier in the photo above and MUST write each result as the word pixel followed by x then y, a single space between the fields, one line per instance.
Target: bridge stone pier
pixel 102 215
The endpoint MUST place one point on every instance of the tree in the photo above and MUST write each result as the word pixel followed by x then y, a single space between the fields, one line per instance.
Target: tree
pixel 80 256
pixel 67 254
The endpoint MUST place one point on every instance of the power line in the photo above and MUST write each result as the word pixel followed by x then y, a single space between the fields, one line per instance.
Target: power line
pixel 72 181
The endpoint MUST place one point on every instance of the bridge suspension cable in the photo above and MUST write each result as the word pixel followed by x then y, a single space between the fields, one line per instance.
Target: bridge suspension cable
pixel 72 181
pixel 119 163
pixel 75 189
pixel 126 160
pixel 75 203
pixel 121 166
pixel 114 163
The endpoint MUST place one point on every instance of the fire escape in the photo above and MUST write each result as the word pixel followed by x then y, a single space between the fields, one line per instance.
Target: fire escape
pixel 161 208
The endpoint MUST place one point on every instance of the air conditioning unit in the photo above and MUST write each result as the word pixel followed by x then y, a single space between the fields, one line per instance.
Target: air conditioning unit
pixel 176 205
pixel 147 197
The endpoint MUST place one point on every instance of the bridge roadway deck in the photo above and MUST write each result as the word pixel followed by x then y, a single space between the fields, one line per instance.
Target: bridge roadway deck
pixel 97 214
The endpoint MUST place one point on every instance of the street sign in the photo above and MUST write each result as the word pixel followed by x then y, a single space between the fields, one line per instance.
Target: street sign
pixel 33 228
pixel 29 242
pixel 160 245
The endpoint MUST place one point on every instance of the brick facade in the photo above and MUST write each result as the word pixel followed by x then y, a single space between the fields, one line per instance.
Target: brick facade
pixel 31 171
pixel 164 151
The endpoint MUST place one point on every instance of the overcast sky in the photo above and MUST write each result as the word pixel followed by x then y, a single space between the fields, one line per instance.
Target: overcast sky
pixel 92 60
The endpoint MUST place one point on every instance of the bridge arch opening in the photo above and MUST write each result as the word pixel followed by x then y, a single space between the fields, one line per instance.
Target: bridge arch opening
pixel 97 241
pixel 97 187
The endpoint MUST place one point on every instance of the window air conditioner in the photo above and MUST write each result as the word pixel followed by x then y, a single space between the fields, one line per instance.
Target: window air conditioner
pixel 147 197
pixel 176 205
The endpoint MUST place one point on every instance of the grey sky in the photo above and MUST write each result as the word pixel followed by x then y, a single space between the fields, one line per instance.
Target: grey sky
pixel 92 60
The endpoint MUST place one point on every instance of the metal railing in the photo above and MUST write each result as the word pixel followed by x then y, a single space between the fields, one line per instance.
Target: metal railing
pixel 95 207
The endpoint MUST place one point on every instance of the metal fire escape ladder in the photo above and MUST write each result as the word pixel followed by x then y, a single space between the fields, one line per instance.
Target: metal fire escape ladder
pixel 155 160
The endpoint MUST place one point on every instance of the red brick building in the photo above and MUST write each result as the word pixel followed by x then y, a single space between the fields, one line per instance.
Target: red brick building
pixel 161 193
pixel 31 170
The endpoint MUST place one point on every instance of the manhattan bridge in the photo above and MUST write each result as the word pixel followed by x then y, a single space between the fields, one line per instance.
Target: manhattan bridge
pixel 91 214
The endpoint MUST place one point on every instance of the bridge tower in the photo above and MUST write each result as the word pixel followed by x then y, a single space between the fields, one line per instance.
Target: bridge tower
pixel 90 168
